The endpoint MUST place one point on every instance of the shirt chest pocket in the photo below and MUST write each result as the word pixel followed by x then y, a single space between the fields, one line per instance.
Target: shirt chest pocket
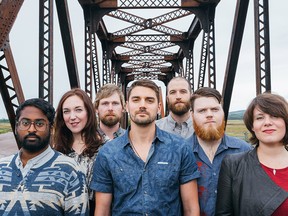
pixel 165 174
pixel 125 179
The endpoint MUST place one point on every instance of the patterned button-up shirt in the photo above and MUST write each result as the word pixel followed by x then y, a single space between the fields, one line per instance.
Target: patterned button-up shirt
pixel 207 183
pixel 51 184
pixel 145 188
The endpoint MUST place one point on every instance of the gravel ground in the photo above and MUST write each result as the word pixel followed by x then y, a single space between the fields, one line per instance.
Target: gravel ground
pixel 8 144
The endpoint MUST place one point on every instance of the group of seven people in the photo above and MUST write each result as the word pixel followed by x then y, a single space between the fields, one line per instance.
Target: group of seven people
pixel 183 164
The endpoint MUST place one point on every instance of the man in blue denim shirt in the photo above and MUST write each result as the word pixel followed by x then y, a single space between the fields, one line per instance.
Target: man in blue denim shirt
pixel 210 144
pixel 146 171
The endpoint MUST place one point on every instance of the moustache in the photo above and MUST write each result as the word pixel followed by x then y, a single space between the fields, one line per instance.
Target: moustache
pixel 179 102
pixel 142 111
pixel 109 114
pixel 32 135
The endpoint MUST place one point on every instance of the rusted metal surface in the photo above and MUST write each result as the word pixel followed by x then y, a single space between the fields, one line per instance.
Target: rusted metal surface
pixel 262 46
pixel 10 86
pixel 233 55
pixel 46 50
pixel 68 44
pixel 8 13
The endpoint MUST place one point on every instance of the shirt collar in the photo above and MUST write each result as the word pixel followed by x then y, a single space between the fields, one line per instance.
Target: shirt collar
pixel 158 136
pixel 188 122
pixel 225 144
pixel 118 133
pixel 37 161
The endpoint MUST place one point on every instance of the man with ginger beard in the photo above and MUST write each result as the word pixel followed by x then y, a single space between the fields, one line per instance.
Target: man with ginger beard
pixel 179 120
pixel 210 144
pixel 109 106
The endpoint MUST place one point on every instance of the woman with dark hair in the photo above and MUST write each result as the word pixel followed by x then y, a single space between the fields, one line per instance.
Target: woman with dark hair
pixel 255 182
pixel 75 132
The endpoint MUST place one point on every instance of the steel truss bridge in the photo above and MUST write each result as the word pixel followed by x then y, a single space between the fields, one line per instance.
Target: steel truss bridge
pixel 154 47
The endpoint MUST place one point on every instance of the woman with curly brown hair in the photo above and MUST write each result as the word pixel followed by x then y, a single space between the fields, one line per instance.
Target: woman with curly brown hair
pixel 75 132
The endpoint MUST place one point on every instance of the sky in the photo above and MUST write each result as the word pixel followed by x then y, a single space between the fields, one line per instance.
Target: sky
pixel 24 45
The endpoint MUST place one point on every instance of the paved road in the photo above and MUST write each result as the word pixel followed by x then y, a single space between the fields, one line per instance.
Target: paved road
pixel 8 144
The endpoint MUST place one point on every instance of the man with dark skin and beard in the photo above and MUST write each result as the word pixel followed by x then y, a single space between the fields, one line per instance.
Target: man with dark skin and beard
pixel 210 144
pixel 179 120
pixel 109 105
pixel 38 180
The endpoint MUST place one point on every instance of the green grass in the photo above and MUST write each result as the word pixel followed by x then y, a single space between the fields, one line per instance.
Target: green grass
pixel 5 127
pixel 238 129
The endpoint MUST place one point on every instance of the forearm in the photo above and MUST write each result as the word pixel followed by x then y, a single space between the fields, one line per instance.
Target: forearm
pixel 189 195
pixel 103 204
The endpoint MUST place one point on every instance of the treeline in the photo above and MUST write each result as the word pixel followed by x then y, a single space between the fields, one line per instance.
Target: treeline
pixel 4 120
pixel 236 115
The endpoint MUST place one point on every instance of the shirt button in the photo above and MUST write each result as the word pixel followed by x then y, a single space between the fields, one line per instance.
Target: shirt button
pixel 145 192
pixel 214 174
pixel 215 191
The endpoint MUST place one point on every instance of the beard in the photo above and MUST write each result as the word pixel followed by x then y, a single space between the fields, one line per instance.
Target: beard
pixel 109 120
pixel 179 108
pixel 210 133
pixel 36 145
pixel 142 121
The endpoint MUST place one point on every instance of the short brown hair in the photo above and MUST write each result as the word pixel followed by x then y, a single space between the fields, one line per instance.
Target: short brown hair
pixel 205 92
pixel 147 84
pixel 106 91
pixel 272 104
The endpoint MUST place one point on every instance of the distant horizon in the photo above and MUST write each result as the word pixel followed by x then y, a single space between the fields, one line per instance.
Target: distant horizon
pixel 231 112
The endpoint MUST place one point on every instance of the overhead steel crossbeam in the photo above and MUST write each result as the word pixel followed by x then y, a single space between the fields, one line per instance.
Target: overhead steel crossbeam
pixel 147 63
pixel 46 50
pixel 150 38
pixel 155 23
pixel 148 3
pixel 139 36
pixel 262 43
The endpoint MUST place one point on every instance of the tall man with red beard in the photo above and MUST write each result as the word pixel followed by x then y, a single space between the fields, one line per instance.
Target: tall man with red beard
pixel 210 144
pixel 179 120
pixel 109 106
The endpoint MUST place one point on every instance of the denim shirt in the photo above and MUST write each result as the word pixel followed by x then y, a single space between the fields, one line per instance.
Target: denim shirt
pixel 207 183
pixel 140 188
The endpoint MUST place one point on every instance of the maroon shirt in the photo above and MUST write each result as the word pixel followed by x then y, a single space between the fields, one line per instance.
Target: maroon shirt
pixel 280 177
